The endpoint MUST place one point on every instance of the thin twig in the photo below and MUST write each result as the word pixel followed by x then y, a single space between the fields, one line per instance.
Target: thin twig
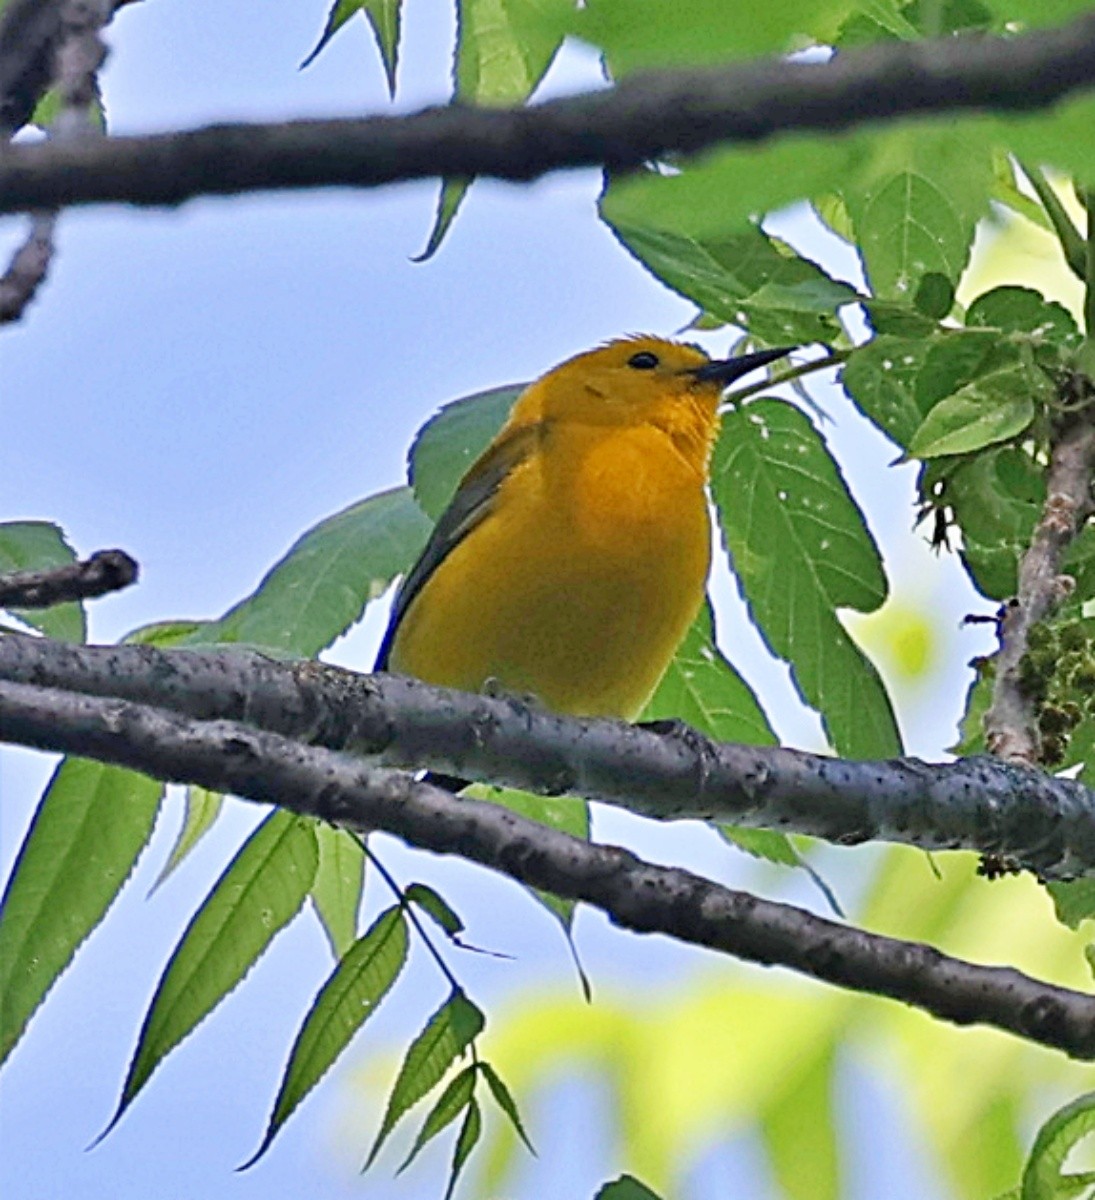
pixel 105 571
pixel 227 756
pixel 643 118
pixel 66 37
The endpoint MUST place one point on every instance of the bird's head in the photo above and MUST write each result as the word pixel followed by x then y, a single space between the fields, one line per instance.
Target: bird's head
pixel 637 380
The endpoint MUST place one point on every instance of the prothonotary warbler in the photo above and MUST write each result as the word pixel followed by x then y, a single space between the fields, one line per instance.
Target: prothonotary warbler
pixel 574 555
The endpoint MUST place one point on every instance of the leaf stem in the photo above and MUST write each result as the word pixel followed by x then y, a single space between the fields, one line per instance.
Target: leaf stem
pixel 1072 241
pixel 412 916
pixel 833 359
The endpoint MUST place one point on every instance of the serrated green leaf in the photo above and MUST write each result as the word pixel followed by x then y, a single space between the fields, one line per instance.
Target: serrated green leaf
pixel 451 440
pixel 707 31
pixel 897 380
pixel 801 549
pixel 258 894
pixel 449 199
pixel 627 1187
pixel 701 688
pixel 89 829
pixel 165 633
pixel 349 996
pixel 339 883
pixel 996 497
pixel 1042 1177
pixel 322 585
pixel 993 408
pixel 978 699
pixel 503 50
pixel 452 1102
pixel 466 1140
pixel 436 906
pixel 1023 310
pixel 447 1034
pixel 384 19
pixel 505 1101
pixel 915 202
pixel 202 809
pixel 762 843
pixel 744 278
pixel 37 546
pixel 721 193
pixel 1073 901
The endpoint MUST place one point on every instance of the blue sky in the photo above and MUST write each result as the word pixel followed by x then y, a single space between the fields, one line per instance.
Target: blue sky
pixel 198 387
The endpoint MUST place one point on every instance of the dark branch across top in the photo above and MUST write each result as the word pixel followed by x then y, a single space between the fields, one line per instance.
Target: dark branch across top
pixel 644 117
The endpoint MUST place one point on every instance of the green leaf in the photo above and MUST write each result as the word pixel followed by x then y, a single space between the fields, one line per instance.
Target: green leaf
pixel 258 894
pixel 1033 13
pixel 447 1034
pixel 627 1187
pixel 1062 136
pixel 1073 901
pixel 703 690
pixel 451 440
pixel 505 1101
pixel 350 995
pixel 721 193
pixel 166 633
pixel 762 843
pixel 436 906
pixel 37 546
pixel 915 202
pixel 465 1144
pixel 801 550
pixel 339 883
pixel 383 17
pixel 1042 1177
pixel 503 50
pixel 1023 310
pixel 744 278
pixel 996 498
pixel 971 730
pixel 897 380
pixel 449 200
pixel 662 34
pixel 89 829
pixel 322 585
pixel 934 296
pixel 454 1099
pixel 202 809
pixel 993 408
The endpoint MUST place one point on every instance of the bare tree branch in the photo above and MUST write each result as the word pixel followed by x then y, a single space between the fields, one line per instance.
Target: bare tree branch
pixel 644 117
pixel 105 571
pixel 39 45
pixel 981 804
pixel 1011 724
pixel 227 756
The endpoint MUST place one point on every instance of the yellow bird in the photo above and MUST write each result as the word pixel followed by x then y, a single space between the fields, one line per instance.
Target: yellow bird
pixel 574 555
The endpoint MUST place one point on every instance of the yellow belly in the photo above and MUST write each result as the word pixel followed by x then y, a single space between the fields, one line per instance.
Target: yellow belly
pixel 579 585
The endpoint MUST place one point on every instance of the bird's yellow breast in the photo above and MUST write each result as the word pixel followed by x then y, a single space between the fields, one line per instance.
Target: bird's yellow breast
pixel 581 581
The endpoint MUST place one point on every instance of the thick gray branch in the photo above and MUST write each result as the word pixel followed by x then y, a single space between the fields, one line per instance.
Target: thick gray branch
pixel 1011 724
pixel 980 804
pixel 228 756
pixel 644 117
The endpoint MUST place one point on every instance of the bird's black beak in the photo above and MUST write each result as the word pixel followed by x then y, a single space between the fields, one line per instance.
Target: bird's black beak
pixel 725 370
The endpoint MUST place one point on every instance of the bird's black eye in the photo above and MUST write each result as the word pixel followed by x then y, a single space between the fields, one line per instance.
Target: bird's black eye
pixel 643 361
